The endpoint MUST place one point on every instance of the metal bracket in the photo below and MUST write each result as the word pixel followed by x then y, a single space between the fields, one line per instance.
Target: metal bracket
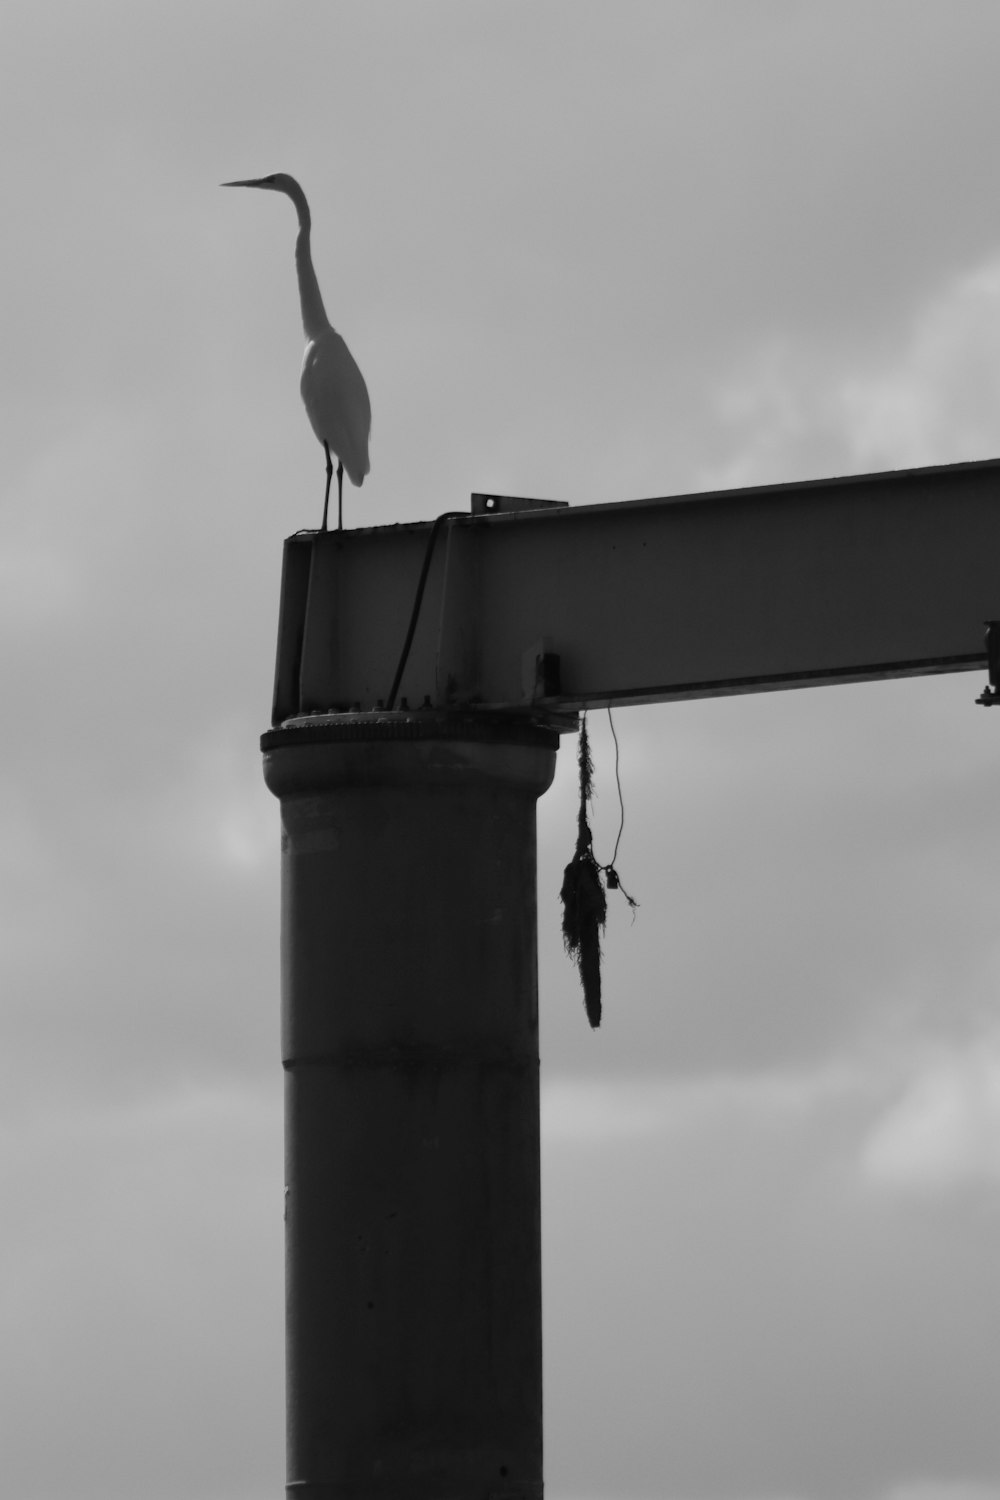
pixel 990 696
pixel 540 673
pixel 491 505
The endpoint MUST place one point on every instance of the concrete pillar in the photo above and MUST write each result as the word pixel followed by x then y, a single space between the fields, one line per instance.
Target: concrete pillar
pixel 410 1044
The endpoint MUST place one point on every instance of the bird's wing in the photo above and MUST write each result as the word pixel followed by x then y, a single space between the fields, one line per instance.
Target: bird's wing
pixel 337 403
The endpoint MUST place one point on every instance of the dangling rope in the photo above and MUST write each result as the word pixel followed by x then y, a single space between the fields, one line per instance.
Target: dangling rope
pixel 610 873
pixel 585 905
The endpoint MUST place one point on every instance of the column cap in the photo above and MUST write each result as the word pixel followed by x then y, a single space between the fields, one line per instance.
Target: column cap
pixel 430 724
pixel 318 752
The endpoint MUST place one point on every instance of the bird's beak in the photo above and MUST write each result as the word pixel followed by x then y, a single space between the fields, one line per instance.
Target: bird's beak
pixel 245 182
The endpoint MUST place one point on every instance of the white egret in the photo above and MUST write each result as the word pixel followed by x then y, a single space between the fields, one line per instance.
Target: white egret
pixel 333 388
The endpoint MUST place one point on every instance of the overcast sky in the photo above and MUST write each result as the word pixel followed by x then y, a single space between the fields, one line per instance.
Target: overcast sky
pixel 589 251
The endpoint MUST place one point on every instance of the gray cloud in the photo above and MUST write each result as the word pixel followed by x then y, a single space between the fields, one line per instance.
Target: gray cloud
pixel 586 251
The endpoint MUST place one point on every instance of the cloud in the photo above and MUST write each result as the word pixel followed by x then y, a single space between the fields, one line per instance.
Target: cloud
pixel 932 398
pixel 583 1111
pixel 939 399
pixel 546 301
pixel 141 1272
pixel 218 814
pixel 942 1130
pixel 931 1126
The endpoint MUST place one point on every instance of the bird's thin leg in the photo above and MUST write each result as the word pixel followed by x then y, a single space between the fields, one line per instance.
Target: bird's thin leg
pixel 340 495
pixel 329 476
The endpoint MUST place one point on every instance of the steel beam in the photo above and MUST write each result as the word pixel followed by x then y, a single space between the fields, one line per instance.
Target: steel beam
pixel 734 591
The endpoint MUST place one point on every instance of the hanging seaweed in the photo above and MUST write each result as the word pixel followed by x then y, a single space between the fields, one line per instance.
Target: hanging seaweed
pixel 585 904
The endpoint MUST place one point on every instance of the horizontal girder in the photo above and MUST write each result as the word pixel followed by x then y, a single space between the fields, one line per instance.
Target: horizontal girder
pixel 837 580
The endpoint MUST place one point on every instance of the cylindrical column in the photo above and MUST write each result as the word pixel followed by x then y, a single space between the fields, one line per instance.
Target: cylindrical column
pixel 410 1044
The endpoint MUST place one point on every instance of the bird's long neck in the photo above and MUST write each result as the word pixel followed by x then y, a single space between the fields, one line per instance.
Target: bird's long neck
pixel 314 318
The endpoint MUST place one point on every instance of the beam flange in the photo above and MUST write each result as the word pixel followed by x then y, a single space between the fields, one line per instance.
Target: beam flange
pixel 732 591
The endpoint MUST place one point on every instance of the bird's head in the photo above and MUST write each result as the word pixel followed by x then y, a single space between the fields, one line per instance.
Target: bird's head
pixel 277 182
pixel 280 182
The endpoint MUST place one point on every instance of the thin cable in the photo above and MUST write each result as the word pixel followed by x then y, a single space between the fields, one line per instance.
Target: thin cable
pixel 610 873
pixel 618 783
pixel 448 515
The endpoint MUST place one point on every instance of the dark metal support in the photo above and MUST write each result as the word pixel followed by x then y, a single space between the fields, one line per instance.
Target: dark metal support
pixel 410 1044
pixel 990 696
pixel 409 990
pixel 740 591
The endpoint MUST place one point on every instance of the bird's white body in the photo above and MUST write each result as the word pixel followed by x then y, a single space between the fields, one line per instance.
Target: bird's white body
pixel 333 388
pixel 336 401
